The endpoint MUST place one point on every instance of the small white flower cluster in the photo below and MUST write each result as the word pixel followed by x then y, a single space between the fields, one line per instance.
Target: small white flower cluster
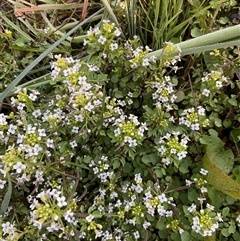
pixel 212 82
pixel 172 145
pixel 100 168
pixel 205 223
pixel 163 93
pixel 49 209
pixel 156 204
pixel 129 130
pixel 194 119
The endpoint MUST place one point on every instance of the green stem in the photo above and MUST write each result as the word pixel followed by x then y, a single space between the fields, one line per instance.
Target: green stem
pixel 222 38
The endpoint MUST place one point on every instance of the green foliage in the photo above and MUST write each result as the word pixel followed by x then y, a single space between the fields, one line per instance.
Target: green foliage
pixel 124 145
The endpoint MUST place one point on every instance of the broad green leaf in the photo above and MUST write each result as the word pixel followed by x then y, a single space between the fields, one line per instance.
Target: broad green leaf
pixel 218 179
pixel 97 214
pixel 180 96
pixel 218 122
pixel 213 143
pixel 224 160
pixel 227 123
pixel 152 158
pixel 185 236
pixel 225 232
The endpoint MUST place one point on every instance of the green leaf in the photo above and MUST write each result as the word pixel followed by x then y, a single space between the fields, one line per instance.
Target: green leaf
pixel 218 122
pixel 185 236
pixel 127 168
pixel 118 94
pixel 213 133
pixel 152 158
pixel 196 32
pixel 213 143
pixel 161 225
pixel 193 195
pixel 232 228
pixel 223 20
pixel 217 178
pixel 7 196
pixel 158 172
pixel 225 211
pixel 114 79
pixel 180 96
pixel 19 42
pixel 97 214
pixel 224 160
pixel 235 135
pixel 216 197
pixel 116 164
pixel 227 123
pixel 225 232
pixel 233 102
pixel 183 168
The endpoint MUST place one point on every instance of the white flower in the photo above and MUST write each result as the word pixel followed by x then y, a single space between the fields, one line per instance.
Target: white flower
pixel 210 207
pixel 138 178
pixel 2 183
pixel 219 217
pixel 102 40
pixel 146 225
pixel 113 46
pixel 188 183
pixel 50 143
pixel 192 208
pixel 89 218
pixel 73 144
pixel 145 62
pixel 207 233
pixel 117 32
pixel 162 198
pixel 203 190
pixel 19 167
pixel 195 127
pixel 136 235
pixel 75 129
pixel 69 216
pixel 196 228
pixel 206 92
pixel 61 201
pixel 166 161
pixel 203 172
pixel 12 129
pixel 219 84
pixel 201 110
pixel 182 155
pixel 41 132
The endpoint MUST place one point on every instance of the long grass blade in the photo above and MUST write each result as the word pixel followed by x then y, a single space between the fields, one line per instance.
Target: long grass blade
pixel 7 196
pixel 15 27
pixel 110 11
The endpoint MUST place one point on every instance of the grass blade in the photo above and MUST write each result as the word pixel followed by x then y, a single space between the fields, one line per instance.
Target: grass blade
pixel 7 196
pixel 15 27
